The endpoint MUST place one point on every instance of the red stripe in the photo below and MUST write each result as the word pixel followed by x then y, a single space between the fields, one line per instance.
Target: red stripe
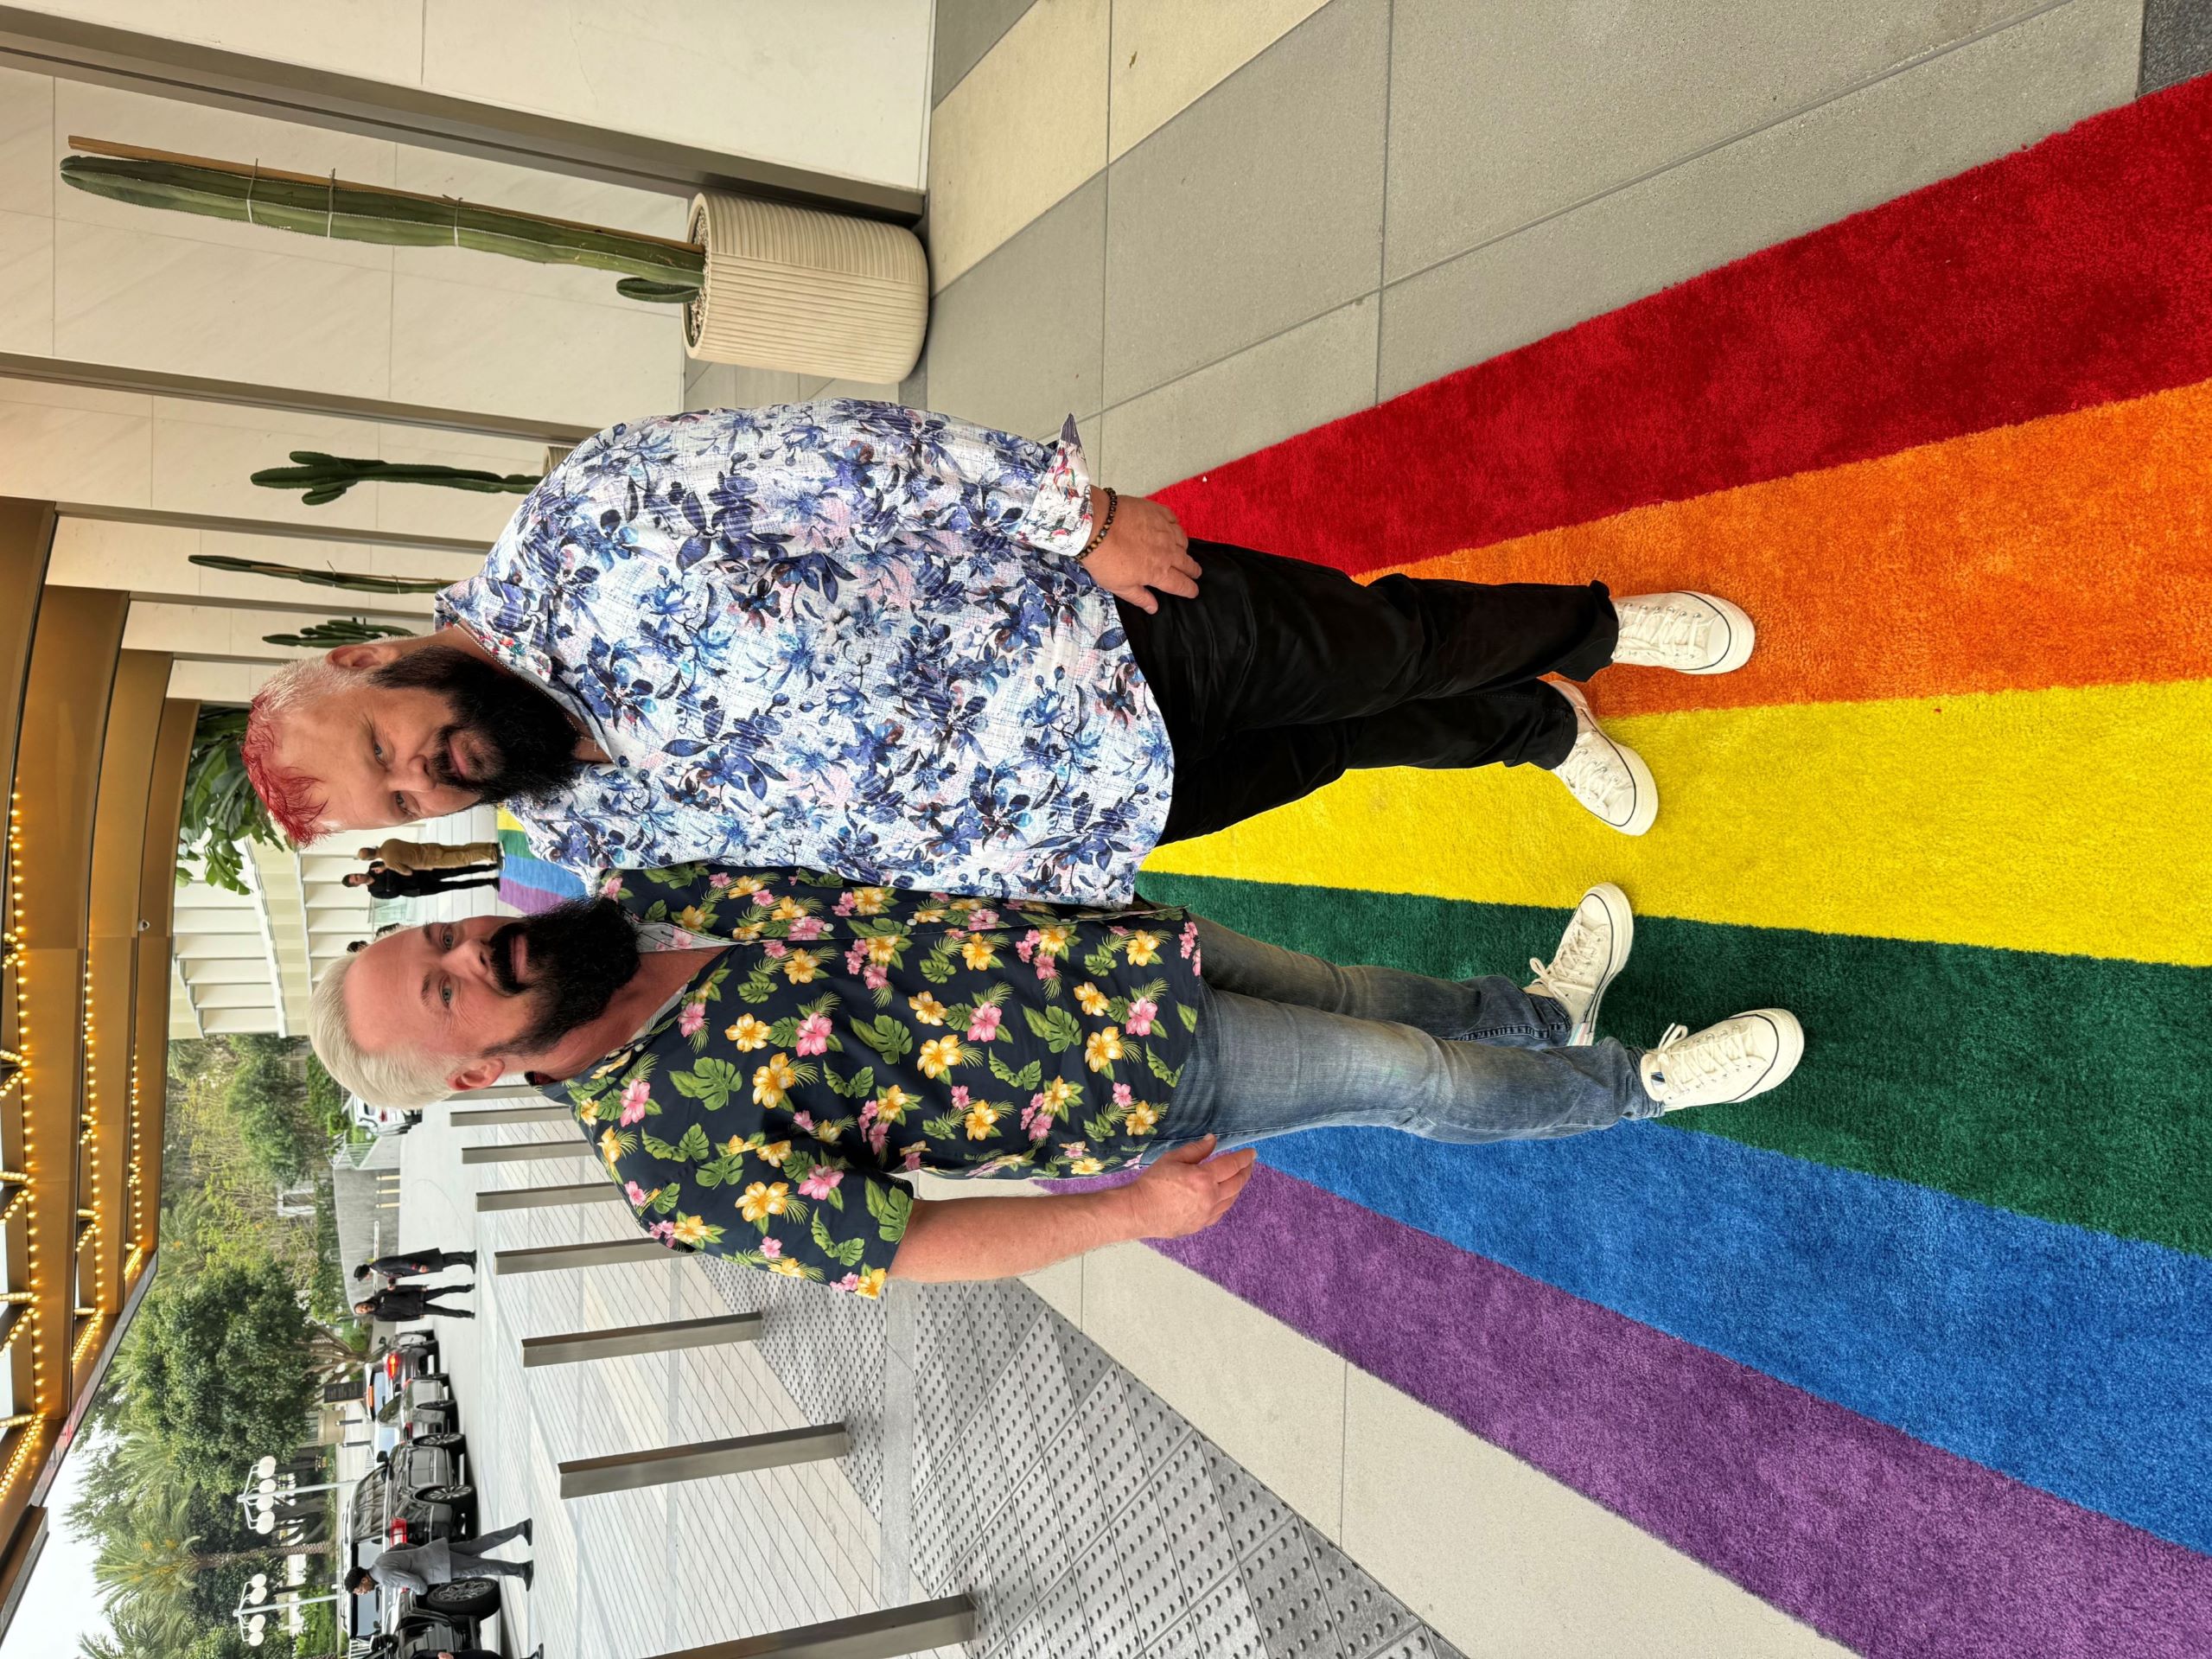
pixel 2068 274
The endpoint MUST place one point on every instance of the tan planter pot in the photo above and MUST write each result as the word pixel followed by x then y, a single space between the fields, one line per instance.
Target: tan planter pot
pixel 816 293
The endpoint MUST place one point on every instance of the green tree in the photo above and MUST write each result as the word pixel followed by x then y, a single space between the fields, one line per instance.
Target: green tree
pixel 224 1367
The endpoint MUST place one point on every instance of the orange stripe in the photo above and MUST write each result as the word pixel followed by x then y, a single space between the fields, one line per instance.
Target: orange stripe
pixel 2072 551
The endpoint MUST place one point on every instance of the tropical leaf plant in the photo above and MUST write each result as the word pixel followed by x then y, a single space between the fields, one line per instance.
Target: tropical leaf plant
pixel 339 630
pixel 221 812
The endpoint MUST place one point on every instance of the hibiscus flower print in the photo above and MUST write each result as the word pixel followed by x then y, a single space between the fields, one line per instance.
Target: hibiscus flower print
pixel 982 1120
pixel 761 1200
pixel 1102 1048
pixel 1091 1000
pixel 813 1035
pixel 1142 1119
pixel 694 1230
pixel 926 1009
pixel 983 1024
pixel 939 1056
pixel 693 1018
pixel 772 1082
pixel 821 1182
pixel 635 1098
pixel 748 1033
pixel 978 954
pixel 1142 1013
pixel 803 966
pixel 1143 950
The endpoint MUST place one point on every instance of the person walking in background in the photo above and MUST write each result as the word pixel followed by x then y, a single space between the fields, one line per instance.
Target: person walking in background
pixel 417 1264
pixel 387 884
pixel 441 1561
pixel 399 1302
pixel 411 857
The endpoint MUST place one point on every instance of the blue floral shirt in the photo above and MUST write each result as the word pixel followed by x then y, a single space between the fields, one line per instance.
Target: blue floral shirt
pixel 842 636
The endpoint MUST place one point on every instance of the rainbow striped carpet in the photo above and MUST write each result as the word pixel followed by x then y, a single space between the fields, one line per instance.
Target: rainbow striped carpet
pixel 527 883
pixel 1920 1348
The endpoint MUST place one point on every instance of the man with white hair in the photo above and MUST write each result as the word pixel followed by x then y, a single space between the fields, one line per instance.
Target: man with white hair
pixel 881 643
pixel 760 1057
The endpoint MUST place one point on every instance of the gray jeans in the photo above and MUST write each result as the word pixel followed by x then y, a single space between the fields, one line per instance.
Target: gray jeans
pixel 470 1561
pixel 1288 1042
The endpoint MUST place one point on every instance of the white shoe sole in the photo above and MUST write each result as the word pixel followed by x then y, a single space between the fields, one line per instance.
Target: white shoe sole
pixel 1645 813
pixel 1789 1049
pixel 1623 921
pixel 1740 636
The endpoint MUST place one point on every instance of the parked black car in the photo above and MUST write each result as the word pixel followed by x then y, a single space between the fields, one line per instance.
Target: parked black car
pixel 451 1617
pixel 419 1491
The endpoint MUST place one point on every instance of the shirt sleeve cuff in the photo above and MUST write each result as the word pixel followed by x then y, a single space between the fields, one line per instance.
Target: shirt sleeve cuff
pixel 1059 517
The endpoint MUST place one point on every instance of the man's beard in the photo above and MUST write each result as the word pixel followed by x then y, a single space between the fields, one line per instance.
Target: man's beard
pixel 527 740
pixel 577 956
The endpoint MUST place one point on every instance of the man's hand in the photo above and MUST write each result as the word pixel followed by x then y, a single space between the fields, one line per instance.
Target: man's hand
pixel 1187 1190
pixel 1146 549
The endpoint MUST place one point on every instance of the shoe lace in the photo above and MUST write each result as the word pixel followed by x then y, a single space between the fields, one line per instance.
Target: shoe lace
pixel 1713 1053
pixel 1673 628
pixel 1573 971
pixel 1593 774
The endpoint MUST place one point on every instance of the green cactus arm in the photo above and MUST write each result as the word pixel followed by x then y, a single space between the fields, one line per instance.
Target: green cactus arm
pixel 357 212
pixel 353 581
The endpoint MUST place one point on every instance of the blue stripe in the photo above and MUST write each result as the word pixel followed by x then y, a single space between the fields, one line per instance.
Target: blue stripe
pixel 544 877
pixel 2073 1361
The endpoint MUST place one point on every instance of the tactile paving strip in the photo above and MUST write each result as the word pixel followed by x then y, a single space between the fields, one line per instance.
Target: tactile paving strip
pixel 1082 1513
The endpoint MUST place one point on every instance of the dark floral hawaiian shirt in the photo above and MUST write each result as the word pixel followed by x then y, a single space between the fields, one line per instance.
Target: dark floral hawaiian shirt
pixel 853 1034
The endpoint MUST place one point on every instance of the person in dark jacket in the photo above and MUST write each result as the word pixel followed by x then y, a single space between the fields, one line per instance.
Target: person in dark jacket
pixel 404 1302
pixel 387 884
pixel 441 1561
pixel 415 1264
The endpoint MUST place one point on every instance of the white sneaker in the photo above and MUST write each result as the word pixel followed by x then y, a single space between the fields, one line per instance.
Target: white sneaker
pixel 1741 1057
pixel 1608 778
pixel 1594 948
pixel 1689 633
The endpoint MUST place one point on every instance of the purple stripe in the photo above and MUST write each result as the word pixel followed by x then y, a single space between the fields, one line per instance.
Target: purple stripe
pixel 530 900
pixel 1894 1547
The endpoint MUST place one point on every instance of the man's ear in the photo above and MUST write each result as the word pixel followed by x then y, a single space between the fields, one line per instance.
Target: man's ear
pixel 372 655
pixel 478 1074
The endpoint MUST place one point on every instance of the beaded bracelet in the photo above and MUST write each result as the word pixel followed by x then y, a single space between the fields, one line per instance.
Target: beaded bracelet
pixel 1113 503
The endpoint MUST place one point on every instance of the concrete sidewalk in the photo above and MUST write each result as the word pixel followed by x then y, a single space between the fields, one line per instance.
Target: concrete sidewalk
pixel 996 1450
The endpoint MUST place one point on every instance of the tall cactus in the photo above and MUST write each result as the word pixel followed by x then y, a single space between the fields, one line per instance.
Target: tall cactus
pixel 353 581
pixel 654 268
pixel 326 477
pixel 339 630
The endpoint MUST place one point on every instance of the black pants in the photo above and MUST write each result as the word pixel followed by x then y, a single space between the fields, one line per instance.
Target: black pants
pixel 422 1264
pixel 432 1310
pixel 425 882
pixel 1282 675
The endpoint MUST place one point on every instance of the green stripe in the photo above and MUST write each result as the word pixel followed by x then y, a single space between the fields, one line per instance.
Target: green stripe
pixel 2069 1088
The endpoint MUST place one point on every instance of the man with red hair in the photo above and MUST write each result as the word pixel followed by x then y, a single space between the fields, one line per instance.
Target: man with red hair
pixel 885 644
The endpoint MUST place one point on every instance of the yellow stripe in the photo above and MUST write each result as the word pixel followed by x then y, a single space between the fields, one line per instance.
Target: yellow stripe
pixel 2069 820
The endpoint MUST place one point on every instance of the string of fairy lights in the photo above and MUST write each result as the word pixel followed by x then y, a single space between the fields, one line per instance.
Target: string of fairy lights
pixel 26 1319
pixel 20 1186
pixel 94 1317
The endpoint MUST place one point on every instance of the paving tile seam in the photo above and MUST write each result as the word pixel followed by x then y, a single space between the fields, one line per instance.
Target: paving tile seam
pixel 1876 78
